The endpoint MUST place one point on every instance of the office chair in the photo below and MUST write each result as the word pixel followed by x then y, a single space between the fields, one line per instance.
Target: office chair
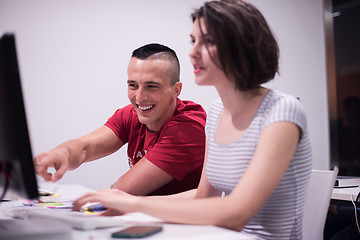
pixel 317 203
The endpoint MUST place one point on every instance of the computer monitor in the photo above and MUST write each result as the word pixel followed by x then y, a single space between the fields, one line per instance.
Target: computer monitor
pixel 17 172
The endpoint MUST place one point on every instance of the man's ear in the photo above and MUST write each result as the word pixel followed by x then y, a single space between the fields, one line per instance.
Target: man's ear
pixel 177 89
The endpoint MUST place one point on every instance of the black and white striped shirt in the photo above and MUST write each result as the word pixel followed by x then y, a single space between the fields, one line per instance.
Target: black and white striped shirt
pixel 281 216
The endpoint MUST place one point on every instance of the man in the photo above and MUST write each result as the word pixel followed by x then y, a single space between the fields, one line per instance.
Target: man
pixel 165 135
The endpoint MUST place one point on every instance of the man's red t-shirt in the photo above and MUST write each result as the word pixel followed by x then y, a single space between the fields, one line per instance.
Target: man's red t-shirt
pixel 177 148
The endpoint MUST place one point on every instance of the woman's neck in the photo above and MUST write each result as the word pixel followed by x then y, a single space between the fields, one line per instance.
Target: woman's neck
pixel 237 102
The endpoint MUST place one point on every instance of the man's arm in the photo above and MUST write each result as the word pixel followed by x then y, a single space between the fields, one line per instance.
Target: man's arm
pixel 143 178
pixel 71 154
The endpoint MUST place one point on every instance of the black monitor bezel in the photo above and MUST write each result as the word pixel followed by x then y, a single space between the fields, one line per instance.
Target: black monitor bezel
pixel 16 155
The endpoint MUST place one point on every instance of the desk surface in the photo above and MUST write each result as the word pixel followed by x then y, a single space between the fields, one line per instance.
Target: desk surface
pixel 170 231
pixel 345 194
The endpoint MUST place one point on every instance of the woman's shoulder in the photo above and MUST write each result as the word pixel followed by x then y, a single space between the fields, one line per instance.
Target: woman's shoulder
pixel 276 95
pixel 277 99
pixel 284 107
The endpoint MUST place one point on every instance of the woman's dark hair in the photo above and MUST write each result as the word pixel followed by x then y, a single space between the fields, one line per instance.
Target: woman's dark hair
pixel 247 50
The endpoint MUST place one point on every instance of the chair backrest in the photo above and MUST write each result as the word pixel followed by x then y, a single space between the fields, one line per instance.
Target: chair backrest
pixel 317 203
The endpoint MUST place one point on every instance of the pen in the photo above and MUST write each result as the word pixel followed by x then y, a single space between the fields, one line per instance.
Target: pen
pixel 97 208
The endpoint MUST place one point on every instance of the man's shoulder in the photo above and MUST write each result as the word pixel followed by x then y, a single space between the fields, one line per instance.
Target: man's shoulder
pixel 189 107
pixel 189 111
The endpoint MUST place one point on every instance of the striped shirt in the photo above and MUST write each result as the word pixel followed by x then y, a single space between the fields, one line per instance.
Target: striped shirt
pixel 281 215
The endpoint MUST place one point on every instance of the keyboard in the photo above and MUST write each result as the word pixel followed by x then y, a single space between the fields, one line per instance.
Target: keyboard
pixel 77 220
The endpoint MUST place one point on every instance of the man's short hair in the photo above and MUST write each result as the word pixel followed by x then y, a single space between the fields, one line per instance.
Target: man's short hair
pixel 159 51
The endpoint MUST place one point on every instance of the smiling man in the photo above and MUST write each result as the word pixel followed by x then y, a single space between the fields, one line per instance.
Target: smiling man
pixel 165 135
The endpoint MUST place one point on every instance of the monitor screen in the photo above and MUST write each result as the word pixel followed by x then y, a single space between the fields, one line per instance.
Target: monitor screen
pixel 17 172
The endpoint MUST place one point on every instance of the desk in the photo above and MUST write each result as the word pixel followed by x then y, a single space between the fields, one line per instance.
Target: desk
pixel 345 194
pixel 170 231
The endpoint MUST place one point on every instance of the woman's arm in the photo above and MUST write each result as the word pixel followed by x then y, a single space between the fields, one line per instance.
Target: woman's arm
pixel 273 154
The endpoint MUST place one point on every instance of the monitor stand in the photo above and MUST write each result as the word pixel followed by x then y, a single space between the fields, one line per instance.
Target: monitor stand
pixel 34 229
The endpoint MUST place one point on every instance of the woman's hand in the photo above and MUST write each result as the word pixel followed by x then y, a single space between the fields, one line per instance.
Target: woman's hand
pixel 116 201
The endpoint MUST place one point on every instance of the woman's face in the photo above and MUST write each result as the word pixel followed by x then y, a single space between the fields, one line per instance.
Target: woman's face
pixel 203 53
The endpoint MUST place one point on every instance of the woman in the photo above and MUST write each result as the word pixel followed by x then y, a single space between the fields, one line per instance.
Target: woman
pixel 258 148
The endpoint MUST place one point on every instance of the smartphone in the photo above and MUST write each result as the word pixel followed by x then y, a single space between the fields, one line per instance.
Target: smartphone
pixel 139 231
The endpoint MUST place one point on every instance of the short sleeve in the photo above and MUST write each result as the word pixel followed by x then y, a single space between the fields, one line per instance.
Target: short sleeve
pixel 120 122
pixel 286 108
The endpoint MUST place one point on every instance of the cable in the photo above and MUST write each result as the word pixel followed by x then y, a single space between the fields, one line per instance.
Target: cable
pixel 356 217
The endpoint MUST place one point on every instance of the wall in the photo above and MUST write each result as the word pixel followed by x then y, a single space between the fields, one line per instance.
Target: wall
pixel 73 57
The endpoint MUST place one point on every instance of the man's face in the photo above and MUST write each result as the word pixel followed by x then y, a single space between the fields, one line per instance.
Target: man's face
pixel 150 92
